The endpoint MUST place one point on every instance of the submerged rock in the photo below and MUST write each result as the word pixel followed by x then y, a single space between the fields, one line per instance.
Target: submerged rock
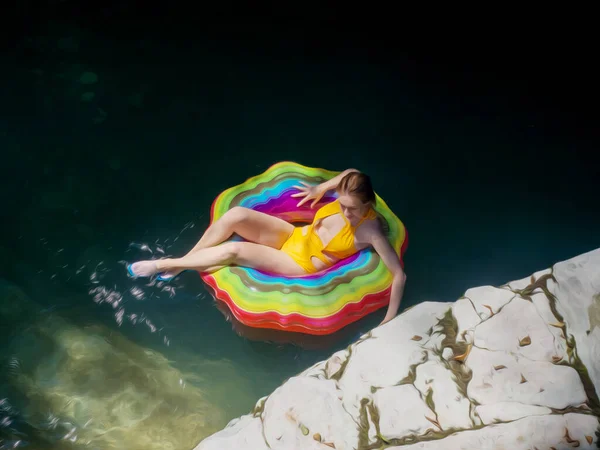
pixel 514 366
pixel 91 387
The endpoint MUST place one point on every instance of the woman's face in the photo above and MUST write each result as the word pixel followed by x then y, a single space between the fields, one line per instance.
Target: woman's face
pixel 352 207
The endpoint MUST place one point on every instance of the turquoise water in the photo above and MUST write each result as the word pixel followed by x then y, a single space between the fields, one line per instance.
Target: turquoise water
pixel 93 359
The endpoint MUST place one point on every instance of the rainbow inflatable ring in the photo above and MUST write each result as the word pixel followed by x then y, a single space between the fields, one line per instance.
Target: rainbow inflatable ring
pixel 319 303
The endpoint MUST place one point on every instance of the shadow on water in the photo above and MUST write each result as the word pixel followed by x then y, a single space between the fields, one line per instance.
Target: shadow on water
pixel 304 341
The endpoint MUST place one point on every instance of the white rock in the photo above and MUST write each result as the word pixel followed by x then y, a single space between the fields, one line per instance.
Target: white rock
pixel 303 406
pixel 466 316
pixel 259 405
pixel 491 296
pixel 402 412
pixel 578 301
pixel 469 336
pixel 540 432
pixel 335 363
pixel 316 370
pixel 518 320
pixel 451 406
pixel 542 305
pixel 518 284
pixel 447 354
pixel 518 383
pixel 386 358
pixel 372 433
pixel 434 342
pixel 507 411
pixel 546 384
pixel 524 282
pixel 416 320
pixel 245 432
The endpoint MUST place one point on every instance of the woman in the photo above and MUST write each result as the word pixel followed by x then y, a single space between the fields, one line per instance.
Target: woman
pixel 339 229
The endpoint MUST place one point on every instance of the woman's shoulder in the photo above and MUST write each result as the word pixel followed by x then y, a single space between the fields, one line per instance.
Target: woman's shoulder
pixel 369 228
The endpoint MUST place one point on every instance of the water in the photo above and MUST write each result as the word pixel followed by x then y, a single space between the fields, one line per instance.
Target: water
pixel 94 359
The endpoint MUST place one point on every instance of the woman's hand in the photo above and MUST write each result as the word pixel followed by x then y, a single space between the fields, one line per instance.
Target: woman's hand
pixel 385 320
pixel 309 192
pixel 316 192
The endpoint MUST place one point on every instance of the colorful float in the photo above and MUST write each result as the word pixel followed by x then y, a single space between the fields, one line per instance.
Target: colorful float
pixel 320 303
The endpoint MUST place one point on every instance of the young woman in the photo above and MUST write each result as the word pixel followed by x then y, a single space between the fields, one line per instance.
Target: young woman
pixel 339 229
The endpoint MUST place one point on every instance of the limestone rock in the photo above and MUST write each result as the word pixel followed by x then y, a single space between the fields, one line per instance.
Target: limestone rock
pixel 518 285
pixel 245 432
pixel 402 411
pixel 302 407
pixel 540 432
pixel 488 300
pixel 466 317
pixel 545 384
pixel 514 366
pixel 336 363
pixel 448 402
pixel 577 293
pixel 386 358
pixel 316 370
pixel 542 305
pixel 510 331
pixel 509 411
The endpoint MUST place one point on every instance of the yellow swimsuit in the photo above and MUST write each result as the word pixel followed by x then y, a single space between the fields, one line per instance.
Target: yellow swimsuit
pixel 303 247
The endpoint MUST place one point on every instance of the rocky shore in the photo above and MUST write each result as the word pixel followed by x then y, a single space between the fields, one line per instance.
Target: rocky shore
pixel 515 366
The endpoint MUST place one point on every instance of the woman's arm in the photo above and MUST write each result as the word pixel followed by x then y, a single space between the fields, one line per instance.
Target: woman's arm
pixel 387 253
pixel 315 193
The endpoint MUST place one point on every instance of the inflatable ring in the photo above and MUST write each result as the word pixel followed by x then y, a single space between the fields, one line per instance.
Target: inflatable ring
pixel 319 303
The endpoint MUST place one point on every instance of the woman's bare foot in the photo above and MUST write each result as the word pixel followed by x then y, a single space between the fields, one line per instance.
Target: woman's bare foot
pixel 169 274
pixel 143 268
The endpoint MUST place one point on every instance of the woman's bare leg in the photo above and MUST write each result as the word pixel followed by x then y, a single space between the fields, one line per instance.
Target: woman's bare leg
pixel 251 225
pixel 246 254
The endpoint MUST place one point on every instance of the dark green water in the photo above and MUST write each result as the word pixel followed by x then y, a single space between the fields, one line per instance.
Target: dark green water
pixel 487 194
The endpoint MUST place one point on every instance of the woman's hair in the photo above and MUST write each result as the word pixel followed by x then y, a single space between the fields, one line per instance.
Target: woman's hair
pixel 359 185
